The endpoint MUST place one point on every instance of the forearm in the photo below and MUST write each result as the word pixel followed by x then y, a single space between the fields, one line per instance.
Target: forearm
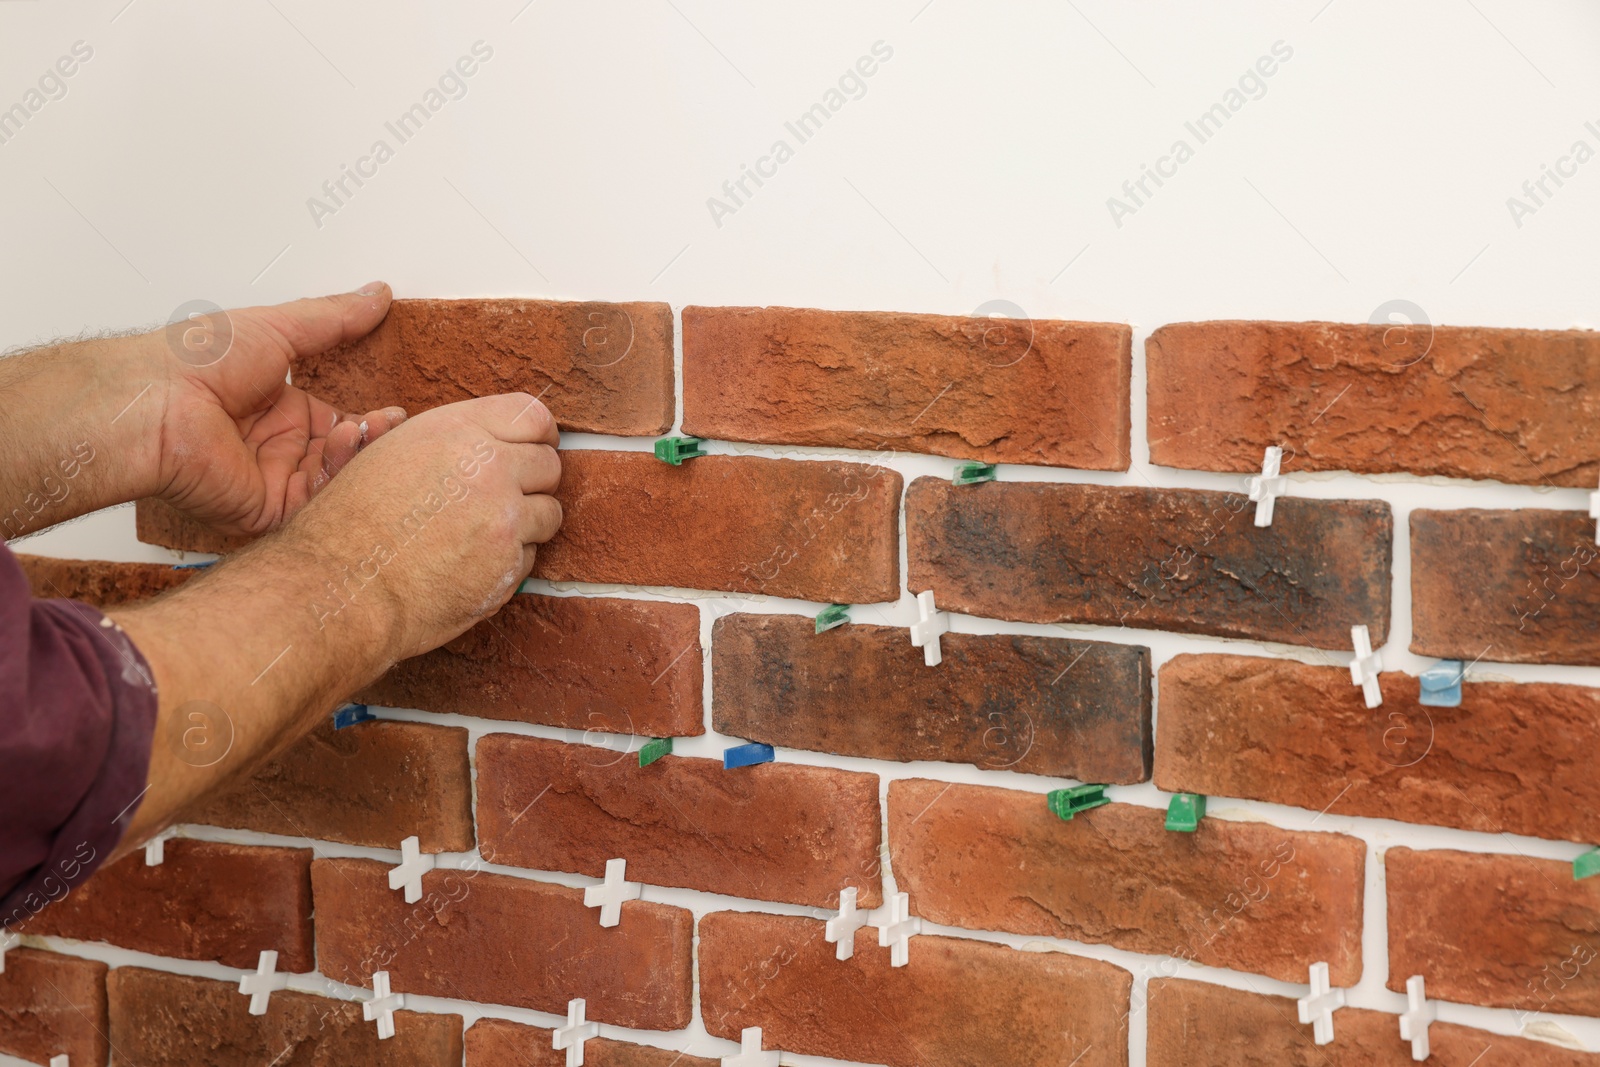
pixel 79 426
pixel 247 658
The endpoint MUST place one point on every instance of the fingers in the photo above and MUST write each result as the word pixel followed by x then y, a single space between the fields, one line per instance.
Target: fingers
pixel 514 417
pixel 349 437
pixel 538 518
pixel 536 468
pixel 317 324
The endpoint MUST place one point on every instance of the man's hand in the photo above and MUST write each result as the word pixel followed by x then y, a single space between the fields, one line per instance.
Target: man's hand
pixel 426 532
pixel 439 521
pixel 239 449
pixel 198 414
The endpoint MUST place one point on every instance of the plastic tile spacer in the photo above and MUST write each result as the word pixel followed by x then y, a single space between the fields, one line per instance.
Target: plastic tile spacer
pixel 609 895
pixel 413 865
pixel 1365 667
pixel 832 616
pixel 383 1005
pixel 202 565
pixel 155 849
pixel 1586 865
pixel 1594 513
pixel 60 1061
pixel 263 982
pixel 1068 802
pixel 747 755
pixel 654 750
pixel 572 1036
pixel 1440 684
pixel 930 624
pixel 896 927
pixel 1318 1008
pixel 1268 486
pixel 351 714
pixel 1418 1016
pixel 1185 811
pixel 972 473
pixel 750 1054
pixel 841 929
pixel 675 450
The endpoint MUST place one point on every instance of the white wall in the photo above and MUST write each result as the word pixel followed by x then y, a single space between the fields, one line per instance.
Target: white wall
pixel 976 166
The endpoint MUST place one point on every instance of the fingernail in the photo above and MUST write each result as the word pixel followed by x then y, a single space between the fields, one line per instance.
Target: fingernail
pixel 370 289
pixel 395 415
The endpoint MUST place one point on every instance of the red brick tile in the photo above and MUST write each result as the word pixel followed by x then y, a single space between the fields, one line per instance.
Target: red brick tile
pixel 498 1043
pixel 52 1005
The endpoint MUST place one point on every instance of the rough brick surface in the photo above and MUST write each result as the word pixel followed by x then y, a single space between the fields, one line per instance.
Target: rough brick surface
pixel 1246 896
pixel 498 1043
pixel 97 582
pixel 1514 405
pixel 497 939
pixel 159 523
pixel 207 901
pixel 1002 391
pixel 1169 559
pixel 601 368
pixel 1504 931
pixel 778 831
pixel 1508 586
pixel 1289 733
pixel 52 1004
pixel 812 530
pixel 375 784
pixel 584 663
pixel 1196 1024
pixel 957 1003
pixel 1077 709
pixel 173 1020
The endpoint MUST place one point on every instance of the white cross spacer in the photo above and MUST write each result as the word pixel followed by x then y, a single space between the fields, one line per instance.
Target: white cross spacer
pixel 896 927
pixel 383 1005
pixel 59 1061
pixel 1594 513
pixel 572 1036
pixel 260 986
pixel 155 849
pixel 931 622
pixel 1419 1015
pixel 1266 487
pixel 8 941
pixel 750 1054
pixel 1365 667
pixel 842 927
pixel 413 865
pixel 608 897
pixel 1318 1008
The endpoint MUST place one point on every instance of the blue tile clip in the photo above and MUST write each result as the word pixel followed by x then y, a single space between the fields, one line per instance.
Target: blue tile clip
pixel 351 714
pixel 746 755
pixel 193 566
pixel 1441 684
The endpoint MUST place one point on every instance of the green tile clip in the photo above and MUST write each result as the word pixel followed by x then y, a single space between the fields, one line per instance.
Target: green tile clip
pixel 1586 865
pixel 973 473
pixel 834 615
pixel 1068 802
pixel 1185 812
pixel 654 750
pixel 675 450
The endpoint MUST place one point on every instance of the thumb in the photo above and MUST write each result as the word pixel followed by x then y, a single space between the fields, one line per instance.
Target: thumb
pixel 319 323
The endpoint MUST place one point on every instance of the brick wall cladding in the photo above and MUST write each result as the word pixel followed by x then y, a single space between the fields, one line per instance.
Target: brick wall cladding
pixel 1167 559
pixel 1000 391
pixel 52 1004
pixel 1024 711
pixel 1518 406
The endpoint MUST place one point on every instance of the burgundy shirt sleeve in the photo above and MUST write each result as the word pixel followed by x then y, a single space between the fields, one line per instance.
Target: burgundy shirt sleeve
pixel 77 717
